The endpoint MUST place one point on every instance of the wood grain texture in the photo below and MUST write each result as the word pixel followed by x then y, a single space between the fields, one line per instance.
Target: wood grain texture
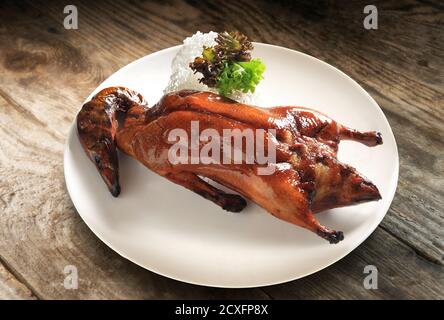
pixel 402 274
pixel 11 288
pixel 47 71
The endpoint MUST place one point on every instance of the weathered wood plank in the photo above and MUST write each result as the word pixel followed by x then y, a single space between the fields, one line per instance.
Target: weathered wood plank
pixel 416 215
pixel 47 71
pixel 11 288
pixel 402 274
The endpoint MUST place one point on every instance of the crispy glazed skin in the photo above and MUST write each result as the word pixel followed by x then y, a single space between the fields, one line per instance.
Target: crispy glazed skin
pixel 308 177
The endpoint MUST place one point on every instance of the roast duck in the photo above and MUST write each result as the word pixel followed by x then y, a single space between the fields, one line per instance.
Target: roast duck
pixel 308 177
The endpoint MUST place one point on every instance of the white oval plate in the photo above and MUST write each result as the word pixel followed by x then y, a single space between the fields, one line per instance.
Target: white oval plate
pixel 176 233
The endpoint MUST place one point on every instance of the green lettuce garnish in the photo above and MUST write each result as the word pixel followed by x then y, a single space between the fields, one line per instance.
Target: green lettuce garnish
pixel 228 66
pixel 240 76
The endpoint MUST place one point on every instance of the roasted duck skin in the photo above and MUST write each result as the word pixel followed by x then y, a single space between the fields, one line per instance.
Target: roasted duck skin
pixel 308 177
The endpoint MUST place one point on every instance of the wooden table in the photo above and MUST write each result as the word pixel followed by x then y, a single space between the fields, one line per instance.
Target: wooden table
pixel 47 71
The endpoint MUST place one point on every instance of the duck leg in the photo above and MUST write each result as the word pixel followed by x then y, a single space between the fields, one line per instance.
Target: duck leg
pixel 369 138
pixel 227 201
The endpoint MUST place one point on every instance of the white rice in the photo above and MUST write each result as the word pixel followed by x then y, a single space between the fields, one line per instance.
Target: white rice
pixel 182 77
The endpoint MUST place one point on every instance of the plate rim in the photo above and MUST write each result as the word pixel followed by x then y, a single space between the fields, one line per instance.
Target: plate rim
pixel 395 177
